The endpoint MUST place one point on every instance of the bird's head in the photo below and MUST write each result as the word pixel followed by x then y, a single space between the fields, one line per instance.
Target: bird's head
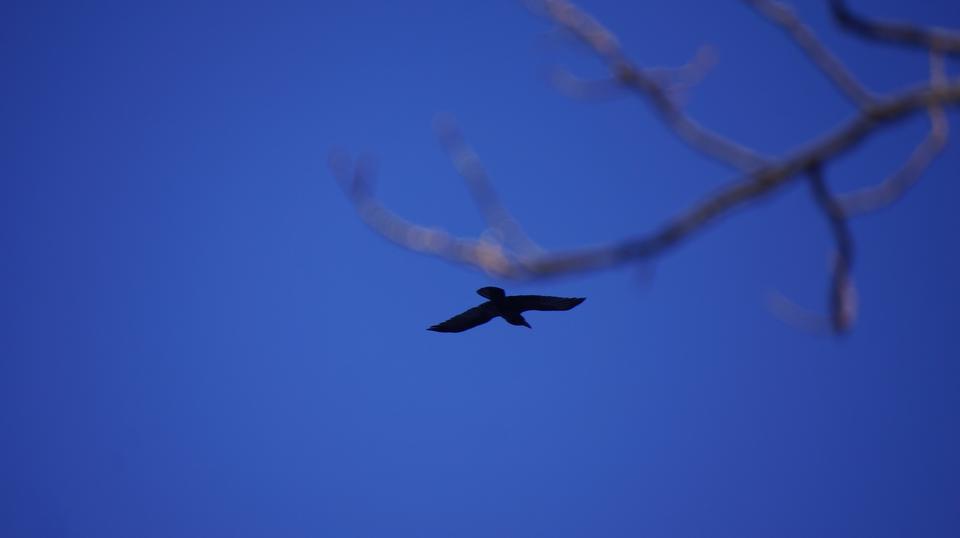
pixel 491 292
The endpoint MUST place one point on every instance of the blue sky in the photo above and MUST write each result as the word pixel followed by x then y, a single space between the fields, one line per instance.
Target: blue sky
pixel 201 339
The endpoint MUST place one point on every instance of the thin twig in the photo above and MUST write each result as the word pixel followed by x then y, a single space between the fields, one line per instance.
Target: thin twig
pixel 831 66
pixel 675 80
pixel 797 316
pixel 571 85
pixel 357 183
pixel 500 221
pixel 939 39
pixel 896 185
pixel 607 47
pixel 842 305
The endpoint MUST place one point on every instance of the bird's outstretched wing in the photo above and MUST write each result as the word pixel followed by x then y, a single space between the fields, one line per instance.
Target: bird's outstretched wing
pixel 477 315
pixel 522 303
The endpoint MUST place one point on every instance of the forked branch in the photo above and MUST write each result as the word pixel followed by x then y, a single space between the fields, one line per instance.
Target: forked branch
pixel 508 252
pixel 841 297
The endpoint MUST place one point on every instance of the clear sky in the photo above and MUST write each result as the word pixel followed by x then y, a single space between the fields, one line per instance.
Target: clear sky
pixel 201 339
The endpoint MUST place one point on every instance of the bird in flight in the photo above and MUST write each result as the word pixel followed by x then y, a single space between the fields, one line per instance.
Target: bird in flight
pixel 509 307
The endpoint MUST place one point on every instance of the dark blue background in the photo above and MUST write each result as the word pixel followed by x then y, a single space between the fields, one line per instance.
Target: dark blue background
pixel 199 337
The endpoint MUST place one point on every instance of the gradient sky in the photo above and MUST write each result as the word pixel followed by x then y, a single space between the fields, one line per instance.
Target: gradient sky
pixel 201 339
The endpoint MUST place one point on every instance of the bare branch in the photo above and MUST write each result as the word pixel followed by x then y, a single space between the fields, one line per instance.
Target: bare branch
pixel 606 46
pixel 493 259
pixel 505 227
pixel 689 74
pixel 674 80
pixel 896 185
pixel 751 186
pixel 842 305
pixel 357 184
pixel 939 39
pixel 511 254
pixel 783 16
pixel 576 87
pixel 797 316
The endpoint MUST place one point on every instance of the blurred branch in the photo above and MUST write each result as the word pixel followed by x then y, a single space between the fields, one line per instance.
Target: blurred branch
pixel 508 252
pixel 842 304
pixel 505 227
pixel 605 45
pixel 842 297
pixel 580 88
pixel 674 80
pixel 357 183
pixel 689 74
pixel 894 187
pixel 937 39
pixel 783 16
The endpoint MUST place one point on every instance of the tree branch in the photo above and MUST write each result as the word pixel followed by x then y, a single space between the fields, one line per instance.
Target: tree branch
pixel 357 183
pixel 938 39
pixel 842 304
pixel 896 185
pixel 783 16
pixel 751 186
pixel 605 45
pixel 674 80
pixel 501 222
pixel 509 253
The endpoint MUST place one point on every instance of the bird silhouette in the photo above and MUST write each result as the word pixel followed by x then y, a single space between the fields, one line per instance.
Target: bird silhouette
pixel 509 307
